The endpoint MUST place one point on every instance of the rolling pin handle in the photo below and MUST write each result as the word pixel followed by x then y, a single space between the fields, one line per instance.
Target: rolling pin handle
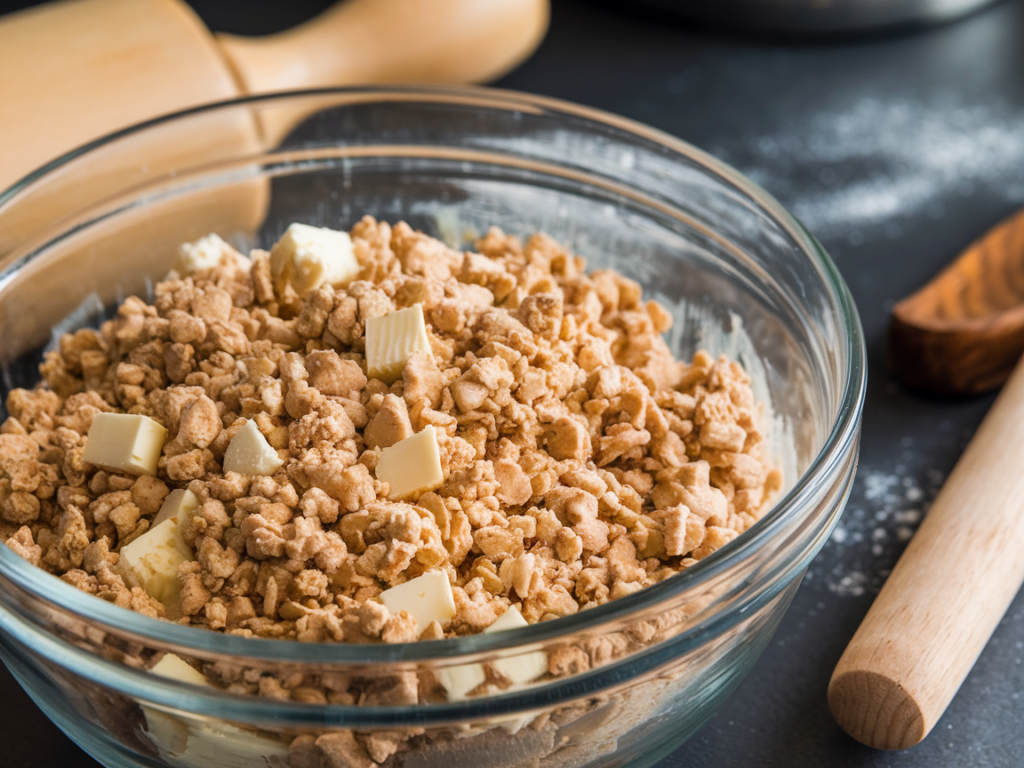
pixel 398 41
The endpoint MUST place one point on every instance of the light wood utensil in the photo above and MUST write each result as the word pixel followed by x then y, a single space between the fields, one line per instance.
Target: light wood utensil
pixel 964 565
pixel 963 333
pixel 74 70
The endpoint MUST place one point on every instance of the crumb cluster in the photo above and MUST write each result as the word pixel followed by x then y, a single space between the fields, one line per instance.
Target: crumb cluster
pixel 581 460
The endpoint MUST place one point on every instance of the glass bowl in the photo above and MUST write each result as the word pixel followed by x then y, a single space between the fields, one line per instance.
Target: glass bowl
pixel 636 676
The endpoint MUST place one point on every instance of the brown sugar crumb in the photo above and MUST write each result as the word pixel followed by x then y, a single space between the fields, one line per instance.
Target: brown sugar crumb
pixel 576 461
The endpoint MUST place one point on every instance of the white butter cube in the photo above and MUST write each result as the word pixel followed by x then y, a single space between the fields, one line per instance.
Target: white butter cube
pixel 459 681
pixel 204 253
pixel 426 598
pixel 193 743
pixel 249 453
pixel 168 732
pixel 176 668
pixel 308 257
pixel 510 619
pixel 125 442
pixel 222 745
pixel 151 561
pixel 412 466
pixel 392 339
pixel 179 505
pixel 526 667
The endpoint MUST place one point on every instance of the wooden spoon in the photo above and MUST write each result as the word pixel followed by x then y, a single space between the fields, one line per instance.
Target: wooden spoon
pixel 963 332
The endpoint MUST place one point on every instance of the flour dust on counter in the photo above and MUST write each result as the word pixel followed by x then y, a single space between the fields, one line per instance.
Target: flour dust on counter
pixel 885 508
pixel 882 161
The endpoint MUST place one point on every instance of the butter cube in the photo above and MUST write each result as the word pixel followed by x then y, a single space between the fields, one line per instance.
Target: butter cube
pixel 510 619
pixel 458 681
pixel 392 339
pixel 526 667
pixel 249 453
pixel 167 731
pixel 308 257
pixel 151 561
pixel 411 466
pixel 125 442
pixel 222 745
pixel 426 598
pixel 176 668
pixel 179 505
pixel 204 253
pixel 201 743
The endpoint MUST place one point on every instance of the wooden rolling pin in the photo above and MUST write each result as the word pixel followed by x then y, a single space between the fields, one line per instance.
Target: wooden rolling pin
pixel 74 70
pixel 946 595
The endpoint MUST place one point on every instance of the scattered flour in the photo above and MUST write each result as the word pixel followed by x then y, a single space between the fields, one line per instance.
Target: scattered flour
pixel 881 161
pixel 878 165
pixel 885 509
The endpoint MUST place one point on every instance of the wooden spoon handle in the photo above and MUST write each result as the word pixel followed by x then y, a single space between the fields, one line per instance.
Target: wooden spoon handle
pixel 946 595
pixel 397 41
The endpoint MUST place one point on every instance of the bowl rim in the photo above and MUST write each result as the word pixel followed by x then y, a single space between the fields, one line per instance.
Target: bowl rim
pixel 841 435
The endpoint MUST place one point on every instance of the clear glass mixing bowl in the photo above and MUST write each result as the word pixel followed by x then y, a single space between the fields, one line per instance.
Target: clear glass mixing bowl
pixel 641 673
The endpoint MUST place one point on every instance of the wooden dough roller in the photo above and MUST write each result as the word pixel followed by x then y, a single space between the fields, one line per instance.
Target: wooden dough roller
pixel 74 70
pixel 946 594
pixel 77 69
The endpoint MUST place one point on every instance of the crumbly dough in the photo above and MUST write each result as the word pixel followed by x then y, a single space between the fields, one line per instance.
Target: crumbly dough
pixel 581 460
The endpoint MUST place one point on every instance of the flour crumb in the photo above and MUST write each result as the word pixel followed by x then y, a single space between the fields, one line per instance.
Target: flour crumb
pixel 885 508
pixel 854 584
pixel 885 161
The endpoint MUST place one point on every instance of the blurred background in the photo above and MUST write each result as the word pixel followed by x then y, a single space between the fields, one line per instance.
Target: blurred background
pixel 895 147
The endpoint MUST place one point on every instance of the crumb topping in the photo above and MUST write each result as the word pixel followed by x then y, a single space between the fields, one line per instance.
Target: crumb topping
pixel 580 461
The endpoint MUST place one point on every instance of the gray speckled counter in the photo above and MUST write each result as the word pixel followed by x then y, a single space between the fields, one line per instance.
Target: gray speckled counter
pixel 896 150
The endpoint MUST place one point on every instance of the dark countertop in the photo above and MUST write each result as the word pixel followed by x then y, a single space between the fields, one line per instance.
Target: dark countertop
pixel 896 150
